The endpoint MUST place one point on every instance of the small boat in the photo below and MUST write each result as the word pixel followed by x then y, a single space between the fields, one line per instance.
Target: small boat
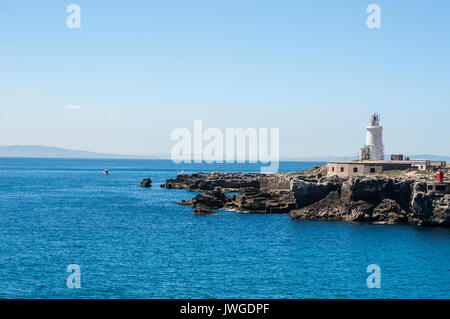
pixel 106 172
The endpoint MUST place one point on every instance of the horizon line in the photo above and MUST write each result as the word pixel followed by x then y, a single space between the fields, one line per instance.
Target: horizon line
pixel 161 156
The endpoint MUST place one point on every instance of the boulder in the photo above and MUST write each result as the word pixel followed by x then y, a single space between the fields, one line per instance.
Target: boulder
pixel 146 182
pixel 200 209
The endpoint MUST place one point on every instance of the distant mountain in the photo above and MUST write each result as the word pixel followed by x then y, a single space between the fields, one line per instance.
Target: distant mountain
pixel 430 157
pixel 320 159
pixel 351 158
pixel 57 152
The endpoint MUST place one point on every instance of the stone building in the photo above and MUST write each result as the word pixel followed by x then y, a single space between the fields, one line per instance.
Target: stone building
pixel 396 157
pixel 424 165
pixel 346 169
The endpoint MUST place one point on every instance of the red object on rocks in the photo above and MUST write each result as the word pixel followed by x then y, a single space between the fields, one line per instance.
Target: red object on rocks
pixel 440 177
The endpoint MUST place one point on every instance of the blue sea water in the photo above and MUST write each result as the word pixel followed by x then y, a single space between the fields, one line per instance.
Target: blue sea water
pixel 133 242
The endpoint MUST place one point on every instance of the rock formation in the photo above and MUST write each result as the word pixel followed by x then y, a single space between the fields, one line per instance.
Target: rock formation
pixel 380 199
pixel 429 207
pixel 208 181
pixel 146 182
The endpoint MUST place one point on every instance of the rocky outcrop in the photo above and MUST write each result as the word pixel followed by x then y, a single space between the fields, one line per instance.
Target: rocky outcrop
pixel 430 208
pixel 249 199
pixel 309 192
pixel 333 208
pixel 213 199
pixel 254 200
pixel 146 182
pixel 375 190
pixel 361 199
pixel 200 209
pixel 209 181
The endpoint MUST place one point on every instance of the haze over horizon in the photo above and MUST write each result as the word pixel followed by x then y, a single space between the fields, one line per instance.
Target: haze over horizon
pixel 134 72
pixel 56 152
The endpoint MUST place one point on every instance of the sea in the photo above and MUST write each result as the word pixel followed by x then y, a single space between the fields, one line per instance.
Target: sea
pixel 132 242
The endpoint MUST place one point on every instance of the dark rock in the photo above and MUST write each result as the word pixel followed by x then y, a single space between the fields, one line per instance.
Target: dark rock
pixel 430 208
pixel 375 190
pixel 209 181
pixel 309 192
pixel 389 211
pixel 328 208
pixel 200 209
pixel 309 196
pixel 213 199
pixel 146 182
pixel 256 201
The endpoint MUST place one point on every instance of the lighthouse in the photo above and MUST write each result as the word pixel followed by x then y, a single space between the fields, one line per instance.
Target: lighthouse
pixel 374 140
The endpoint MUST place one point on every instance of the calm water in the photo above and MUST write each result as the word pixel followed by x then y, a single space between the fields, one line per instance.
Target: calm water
pixel 135 243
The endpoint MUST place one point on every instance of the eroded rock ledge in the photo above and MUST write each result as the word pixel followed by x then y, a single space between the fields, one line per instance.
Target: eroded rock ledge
pixel 378 199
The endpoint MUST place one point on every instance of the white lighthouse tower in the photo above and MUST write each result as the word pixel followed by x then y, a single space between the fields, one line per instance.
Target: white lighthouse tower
pixel 374 140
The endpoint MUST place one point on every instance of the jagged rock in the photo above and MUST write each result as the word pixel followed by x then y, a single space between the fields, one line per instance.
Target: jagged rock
pixel 309 192
pixel 146 182
pixel 200 209
pixel 358 211
pixel 329 208
pixel 375 190
pixel 430 208
pixel 256 201
pixel 213 199
pixel 209 181
pixel 333 208
pixel 389 211
pixel 307 196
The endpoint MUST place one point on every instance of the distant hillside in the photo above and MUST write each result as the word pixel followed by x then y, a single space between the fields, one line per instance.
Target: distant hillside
pixel 350 158
pixel 430 157
pixel 56 152
pixel 319 158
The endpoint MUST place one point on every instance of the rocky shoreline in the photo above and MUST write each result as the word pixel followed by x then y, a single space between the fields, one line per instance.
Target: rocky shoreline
pixel 377 199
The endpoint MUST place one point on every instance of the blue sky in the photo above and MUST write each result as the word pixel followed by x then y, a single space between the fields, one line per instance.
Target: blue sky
pixel 140 69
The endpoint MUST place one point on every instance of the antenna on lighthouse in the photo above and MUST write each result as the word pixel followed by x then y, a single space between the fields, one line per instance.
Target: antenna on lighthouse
pixel 375 119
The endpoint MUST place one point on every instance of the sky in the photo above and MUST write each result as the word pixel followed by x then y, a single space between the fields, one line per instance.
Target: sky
pixel 137 70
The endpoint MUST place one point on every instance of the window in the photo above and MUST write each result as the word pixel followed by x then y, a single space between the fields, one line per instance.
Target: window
pixel 372 169
pixel 342 169
pixel 332 169
pixel 355 169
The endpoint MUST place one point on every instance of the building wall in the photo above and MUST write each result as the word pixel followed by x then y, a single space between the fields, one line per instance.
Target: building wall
pixel 396 157
pixel 346 169
pixel 438 163
pixel 352 169
pixel 421 165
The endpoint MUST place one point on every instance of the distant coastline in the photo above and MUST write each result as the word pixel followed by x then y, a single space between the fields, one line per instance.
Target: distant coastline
pixel 40 151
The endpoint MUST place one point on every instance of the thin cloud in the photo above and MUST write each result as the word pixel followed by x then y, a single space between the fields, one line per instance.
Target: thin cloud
pixel 75 107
